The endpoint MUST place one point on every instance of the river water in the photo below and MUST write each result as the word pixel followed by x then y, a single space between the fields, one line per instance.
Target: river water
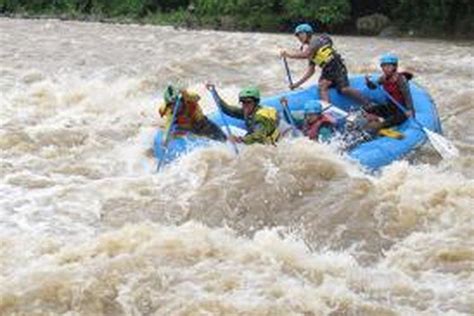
pixel 87 227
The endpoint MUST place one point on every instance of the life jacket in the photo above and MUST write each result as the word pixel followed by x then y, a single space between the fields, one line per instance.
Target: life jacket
pixel 189 112
pixel 312 131
pixel 326 53
pixel 391 86
pixel 270 114
pixel 186 113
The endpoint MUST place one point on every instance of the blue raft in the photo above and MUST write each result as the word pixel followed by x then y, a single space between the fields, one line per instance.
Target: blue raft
pixel 372 154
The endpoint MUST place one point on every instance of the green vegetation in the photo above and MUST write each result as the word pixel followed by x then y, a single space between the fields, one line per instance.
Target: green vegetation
pixel 429 16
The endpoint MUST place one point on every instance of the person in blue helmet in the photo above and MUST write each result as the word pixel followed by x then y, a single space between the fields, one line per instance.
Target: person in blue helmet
pixel 396 85
pixel 315 124
pixel 320 51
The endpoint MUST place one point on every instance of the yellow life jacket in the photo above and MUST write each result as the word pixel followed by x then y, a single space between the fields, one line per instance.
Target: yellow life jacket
pixel 271 114
pixel 323 55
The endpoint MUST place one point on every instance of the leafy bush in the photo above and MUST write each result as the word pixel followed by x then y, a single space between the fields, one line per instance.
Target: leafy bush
pixel 436 15
pixel 326 12
pixel 429 16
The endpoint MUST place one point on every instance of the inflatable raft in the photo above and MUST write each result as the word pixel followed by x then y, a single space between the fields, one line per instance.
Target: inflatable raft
pixel 372 154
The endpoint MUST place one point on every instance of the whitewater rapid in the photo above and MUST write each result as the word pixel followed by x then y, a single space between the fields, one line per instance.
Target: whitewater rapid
pixel 88 228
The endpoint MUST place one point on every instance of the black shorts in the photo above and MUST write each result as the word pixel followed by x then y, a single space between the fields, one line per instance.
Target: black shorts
pixel 389 112
pixel 336 72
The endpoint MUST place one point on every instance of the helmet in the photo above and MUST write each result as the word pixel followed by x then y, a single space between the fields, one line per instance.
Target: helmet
pixel 313 107
pixel 388 59
pixel 250 92
pixel 171 93
pixel 304 28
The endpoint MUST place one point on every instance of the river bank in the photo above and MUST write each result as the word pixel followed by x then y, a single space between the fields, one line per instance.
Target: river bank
pixel 264 24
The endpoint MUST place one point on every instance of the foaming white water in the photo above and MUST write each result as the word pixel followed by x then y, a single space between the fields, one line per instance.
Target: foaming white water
pixel 193 269
pixel 87 228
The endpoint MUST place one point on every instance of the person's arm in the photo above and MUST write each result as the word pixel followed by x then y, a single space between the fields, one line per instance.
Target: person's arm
pixel 405 89
pixel 307 50
pixel 164 109
pixel 309 72
pixel 304 53
pixel 230 110
pixel 373 85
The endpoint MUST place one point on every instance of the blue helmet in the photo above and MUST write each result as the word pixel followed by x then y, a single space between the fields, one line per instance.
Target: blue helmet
pixel 304 28
pixel 388 59
pixel 313 107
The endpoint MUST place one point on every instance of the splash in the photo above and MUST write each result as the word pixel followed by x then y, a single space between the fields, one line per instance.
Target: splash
pixel 87 227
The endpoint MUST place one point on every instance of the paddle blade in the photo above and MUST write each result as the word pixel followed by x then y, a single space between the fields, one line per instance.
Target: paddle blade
pixel 445 148
pixel 391 133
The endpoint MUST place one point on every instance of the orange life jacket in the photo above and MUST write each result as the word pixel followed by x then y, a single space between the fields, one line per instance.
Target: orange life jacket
pixel 189 112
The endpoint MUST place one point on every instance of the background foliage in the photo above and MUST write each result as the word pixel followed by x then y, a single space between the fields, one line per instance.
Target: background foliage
pixel 428 16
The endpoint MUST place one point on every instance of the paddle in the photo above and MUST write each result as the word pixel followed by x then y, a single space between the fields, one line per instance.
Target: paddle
pixel 287 113
pixel 442 145
pixel 165 141
pixel 284 102
pixel 218 104
pixel 288 73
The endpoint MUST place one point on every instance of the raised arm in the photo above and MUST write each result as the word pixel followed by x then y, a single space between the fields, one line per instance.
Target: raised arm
pixel 305 53
pixel 230 110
